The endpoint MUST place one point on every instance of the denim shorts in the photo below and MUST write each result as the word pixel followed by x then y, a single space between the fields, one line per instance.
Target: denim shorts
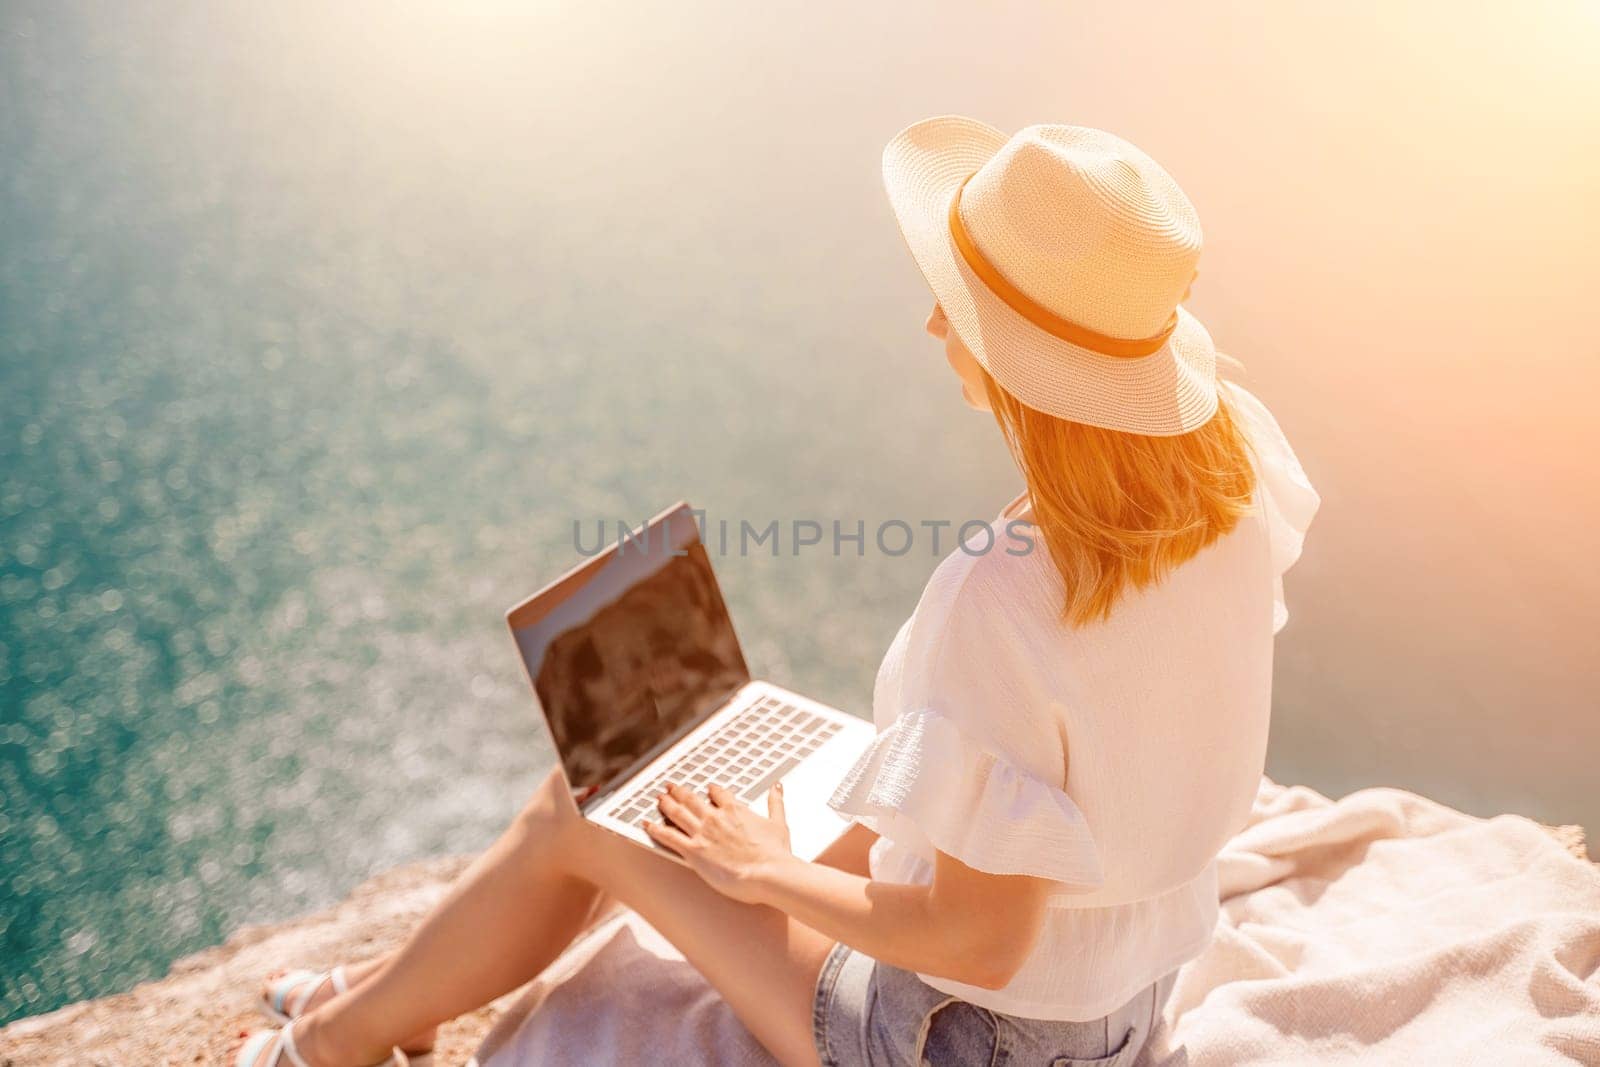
pixel 868 1014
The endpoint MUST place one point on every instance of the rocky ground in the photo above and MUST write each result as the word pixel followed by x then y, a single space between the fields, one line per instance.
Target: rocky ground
pixel 192 1015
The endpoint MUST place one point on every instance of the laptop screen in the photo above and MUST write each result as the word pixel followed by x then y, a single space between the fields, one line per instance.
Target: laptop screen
pixel 630 650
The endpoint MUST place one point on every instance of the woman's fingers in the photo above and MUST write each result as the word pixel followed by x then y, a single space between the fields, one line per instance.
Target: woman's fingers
pixel 670 836
pixel 721 797
pixel 676 809
pixel 775 810
pixel 695 802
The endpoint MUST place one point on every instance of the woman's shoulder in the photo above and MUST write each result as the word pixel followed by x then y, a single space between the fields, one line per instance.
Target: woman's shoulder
pixel 983 615
pixel 1288 500
pixel 1274 454
pixel 981 655
pixel 994 576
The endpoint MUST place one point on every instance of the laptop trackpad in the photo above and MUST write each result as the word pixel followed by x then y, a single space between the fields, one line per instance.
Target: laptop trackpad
pixel 807 785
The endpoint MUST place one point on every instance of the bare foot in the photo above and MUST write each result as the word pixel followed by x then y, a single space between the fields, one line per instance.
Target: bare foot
pixel 417 1044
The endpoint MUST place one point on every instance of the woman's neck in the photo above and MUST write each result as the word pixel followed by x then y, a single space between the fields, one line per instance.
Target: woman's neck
pixel 1020 507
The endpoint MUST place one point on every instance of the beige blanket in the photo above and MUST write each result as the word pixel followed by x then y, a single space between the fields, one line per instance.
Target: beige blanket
pixel 1382 928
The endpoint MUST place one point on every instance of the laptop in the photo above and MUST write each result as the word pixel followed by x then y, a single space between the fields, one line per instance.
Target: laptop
pixel 641 680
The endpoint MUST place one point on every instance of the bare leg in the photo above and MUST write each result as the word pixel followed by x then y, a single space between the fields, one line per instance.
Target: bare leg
pixel 355 973
pixel 848 853
pixel 525 899
pixel 762 962
pixel 506 918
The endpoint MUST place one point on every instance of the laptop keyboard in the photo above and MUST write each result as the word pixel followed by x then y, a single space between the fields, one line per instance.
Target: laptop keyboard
pixel 746 754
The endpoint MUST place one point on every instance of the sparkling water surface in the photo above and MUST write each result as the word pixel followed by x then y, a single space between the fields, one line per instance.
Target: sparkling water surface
pixel 319 324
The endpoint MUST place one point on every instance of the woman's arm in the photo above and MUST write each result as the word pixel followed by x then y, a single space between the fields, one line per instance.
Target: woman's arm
pixel 968 925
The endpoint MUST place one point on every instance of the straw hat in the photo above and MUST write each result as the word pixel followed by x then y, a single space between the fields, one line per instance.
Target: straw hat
pixel 1060 256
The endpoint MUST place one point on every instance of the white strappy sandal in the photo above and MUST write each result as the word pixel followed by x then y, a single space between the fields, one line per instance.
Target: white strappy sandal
pixel 285 1001
pixel 258 1042
pixel 286 998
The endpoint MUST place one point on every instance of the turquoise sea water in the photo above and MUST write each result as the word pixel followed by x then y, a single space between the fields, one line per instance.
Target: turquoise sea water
pixel 318 328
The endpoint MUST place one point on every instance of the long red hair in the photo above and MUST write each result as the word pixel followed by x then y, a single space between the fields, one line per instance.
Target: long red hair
pixel 1121 510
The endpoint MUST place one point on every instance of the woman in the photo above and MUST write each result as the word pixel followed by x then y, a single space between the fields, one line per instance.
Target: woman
pixel 1066 737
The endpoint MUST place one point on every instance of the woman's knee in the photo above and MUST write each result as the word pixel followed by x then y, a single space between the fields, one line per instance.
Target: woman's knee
pixel 550 816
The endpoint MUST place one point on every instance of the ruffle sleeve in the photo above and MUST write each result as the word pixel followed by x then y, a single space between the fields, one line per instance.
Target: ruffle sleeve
pixel 926 784
pixel 1288 499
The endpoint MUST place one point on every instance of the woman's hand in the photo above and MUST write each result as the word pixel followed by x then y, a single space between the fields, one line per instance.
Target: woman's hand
pixel 725 842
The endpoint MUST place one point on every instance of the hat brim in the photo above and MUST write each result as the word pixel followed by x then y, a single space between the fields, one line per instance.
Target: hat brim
pixel 1169 392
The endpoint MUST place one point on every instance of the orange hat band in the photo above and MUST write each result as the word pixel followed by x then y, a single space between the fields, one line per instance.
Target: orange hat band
pixel 1038 314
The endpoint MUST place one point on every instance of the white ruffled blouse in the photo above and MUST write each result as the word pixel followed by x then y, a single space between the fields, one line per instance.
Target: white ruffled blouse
pixel 1114 759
